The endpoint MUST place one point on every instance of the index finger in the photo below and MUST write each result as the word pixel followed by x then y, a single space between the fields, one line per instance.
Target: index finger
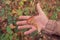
pixel 24 17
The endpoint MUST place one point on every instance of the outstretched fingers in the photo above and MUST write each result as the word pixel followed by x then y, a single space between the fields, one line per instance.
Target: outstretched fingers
pixel 30 31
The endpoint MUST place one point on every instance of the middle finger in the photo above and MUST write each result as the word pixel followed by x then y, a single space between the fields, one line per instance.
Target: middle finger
pixel 21 22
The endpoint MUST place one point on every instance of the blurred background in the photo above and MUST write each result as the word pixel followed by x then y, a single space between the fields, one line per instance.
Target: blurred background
pixel 10 10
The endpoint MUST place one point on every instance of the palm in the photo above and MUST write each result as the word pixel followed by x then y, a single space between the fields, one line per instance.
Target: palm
pixel 39 21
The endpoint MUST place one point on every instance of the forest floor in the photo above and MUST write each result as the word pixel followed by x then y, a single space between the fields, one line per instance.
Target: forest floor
pixel 10 10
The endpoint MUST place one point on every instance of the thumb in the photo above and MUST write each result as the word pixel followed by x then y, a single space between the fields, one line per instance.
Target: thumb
pixel 39 9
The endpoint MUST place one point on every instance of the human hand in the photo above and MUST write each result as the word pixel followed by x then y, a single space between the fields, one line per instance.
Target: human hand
pixel 34 23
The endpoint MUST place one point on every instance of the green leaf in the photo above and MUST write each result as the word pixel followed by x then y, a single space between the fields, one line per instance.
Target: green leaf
pixel 9 30
pixel 11 37
pixel 2 36
pixel 9 19
pixel 2 12
pixel 58 9
pixel 26 11
pixel 21 3
pixel 34 33
pixel 20 12
pixel 6 36
pixel 54 16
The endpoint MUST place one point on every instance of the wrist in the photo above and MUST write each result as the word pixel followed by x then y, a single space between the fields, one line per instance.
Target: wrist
pixel 50 26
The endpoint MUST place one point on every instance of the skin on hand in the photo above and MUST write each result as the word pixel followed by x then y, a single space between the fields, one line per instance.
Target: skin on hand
pixel 33 23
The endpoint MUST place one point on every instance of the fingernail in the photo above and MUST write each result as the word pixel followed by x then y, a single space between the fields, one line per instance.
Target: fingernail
pixel 25 33
pixel 17 23
pixel 18 27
